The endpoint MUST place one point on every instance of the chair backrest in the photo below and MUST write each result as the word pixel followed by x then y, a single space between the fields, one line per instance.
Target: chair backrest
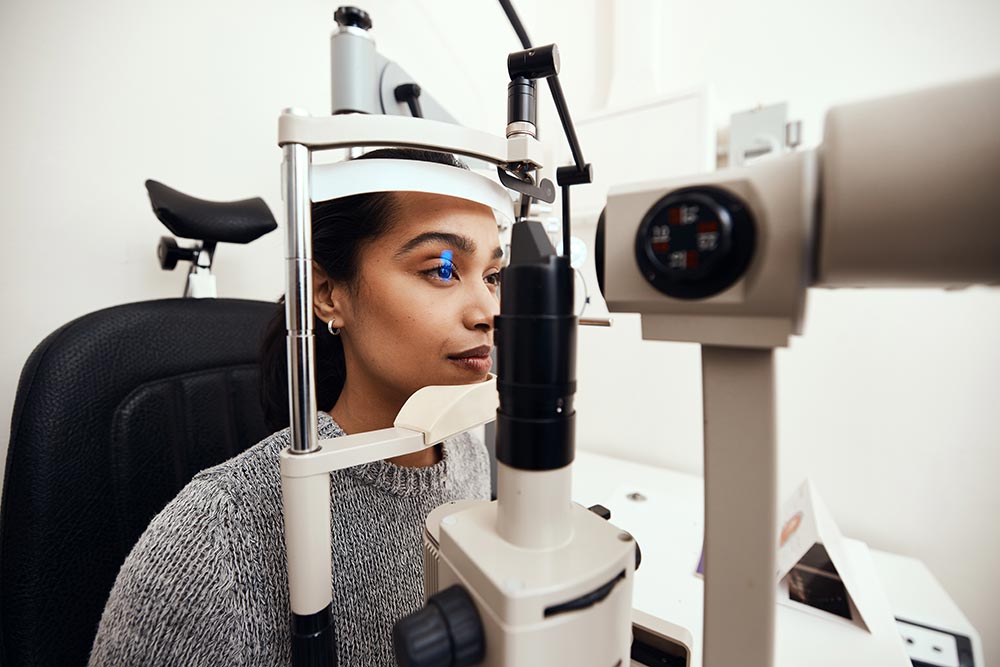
pixel 114 413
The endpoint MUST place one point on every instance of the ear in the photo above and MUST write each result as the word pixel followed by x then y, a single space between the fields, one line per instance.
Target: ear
pixel 328 296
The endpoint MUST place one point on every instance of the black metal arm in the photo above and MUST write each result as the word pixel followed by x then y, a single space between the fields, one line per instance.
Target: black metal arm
pixel 543 63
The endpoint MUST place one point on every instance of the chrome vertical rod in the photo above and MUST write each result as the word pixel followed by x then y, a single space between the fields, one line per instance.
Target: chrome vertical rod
pixel 298 300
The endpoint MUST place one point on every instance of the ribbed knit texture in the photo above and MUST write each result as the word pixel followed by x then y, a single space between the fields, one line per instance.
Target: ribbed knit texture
pixel 207 582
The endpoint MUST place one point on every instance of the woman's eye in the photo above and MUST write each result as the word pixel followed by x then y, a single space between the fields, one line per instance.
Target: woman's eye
pixel 444 272
pixel 493 279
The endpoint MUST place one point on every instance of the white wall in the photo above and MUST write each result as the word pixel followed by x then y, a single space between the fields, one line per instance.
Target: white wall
pixel 887 401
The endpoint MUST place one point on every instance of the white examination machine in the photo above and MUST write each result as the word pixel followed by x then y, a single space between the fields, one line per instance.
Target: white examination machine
pixel 723 260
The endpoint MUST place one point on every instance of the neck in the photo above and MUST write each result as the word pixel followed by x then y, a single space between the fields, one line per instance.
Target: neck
pixel 359 410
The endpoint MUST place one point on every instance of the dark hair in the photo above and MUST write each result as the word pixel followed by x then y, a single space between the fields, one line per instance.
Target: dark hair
pixel 340 229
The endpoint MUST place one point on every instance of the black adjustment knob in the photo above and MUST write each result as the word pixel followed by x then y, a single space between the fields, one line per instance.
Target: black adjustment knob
pixel 447 632
pixel 169 253
pixel 539 62
pixel 409 93
pixel 354 17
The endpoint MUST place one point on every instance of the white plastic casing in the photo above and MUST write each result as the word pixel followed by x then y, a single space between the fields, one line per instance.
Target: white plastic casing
pixel 512 587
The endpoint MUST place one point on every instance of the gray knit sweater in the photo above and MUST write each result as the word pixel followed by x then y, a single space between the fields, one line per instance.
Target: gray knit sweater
pixel 207 582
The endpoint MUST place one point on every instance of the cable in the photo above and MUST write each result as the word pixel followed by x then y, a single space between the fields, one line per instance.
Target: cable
pixel 522 34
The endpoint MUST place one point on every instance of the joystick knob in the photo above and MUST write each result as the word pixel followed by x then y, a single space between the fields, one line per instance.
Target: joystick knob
pixel 446 632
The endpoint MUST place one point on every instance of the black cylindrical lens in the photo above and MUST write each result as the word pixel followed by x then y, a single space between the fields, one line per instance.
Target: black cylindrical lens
pixel 521 101
pixel 536 355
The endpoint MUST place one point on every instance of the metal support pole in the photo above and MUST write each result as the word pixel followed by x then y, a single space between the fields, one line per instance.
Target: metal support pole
pixel 740 506
pixel 305 500
pixel 555 88
pixel 298 300
pixel 565 221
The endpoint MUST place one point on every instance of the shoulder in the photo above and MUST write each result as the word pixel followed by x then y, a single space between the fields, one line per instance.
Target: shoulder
pixel 255 465
pixel 258 467
pixel 176 581
pixel 190 529
pixel 178 588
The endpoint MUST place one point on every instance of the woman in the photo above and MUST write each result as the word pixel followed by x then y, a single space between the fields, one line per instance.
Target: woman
pixel 405 291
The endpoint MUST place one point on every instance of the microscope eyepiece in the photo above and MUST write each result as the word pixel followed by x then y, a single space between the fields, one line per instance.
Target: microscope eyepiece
pixel 521 107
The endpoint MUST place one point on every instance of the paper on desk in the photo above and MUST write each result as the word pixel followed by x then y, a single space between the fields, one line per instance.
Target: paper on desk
pixel 807 529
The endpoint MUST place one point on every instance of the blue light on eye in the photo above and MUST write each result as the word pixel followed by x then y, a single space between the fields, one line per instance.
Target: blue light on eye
pixel 447 268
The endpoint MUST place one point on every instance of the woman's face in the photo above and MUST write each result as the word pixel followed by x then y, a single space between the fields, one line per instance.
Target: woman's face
pixel 422 310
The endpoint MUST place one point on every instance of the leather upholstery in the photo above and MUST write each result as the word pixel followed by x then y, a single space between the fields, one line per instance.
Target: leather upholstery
pixel 226 222
pixel 114 413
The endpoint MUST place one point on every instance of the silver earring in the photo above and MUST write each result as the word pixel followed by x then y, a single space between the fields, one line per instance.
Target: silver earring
pixel 332 329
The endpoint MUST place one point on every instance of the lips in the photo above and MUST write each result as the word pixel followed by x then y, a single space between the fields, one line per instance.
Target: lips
pixel 481 351
pixel 477 360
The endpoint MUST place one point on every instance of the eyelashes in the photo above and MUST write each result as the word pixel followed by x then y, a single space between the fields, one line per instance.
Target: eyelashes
pixel 446 271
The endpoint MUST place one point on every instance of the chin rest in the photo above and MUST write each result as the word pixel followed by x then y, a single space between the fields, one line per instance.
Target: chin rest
pixel 223 222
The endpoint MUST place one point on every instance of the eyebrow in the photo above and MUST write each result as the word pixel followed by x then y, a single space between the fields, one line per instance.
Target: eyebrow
pixel 463 244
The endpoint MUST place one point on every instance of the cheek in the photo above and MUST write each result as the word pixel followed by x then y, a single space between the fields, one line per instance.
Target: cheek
pixel 400 325
pixel 426 323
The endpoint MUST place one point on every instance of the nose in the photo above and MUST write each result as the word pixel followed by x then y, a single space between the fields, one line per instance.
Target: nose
pixel 482 306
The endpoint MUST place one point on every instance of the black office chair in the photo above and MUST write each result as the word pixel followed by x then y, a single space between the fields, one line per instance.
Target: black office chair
pixel 114 413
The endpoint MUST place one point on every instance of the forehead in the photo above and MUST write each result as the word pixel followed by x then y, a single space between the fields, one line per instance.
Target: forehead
pixel 420 212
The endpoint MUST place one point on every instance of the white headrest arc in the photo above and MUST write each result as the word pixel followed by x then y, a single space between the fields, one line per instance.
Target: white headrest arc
pixel 353 177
